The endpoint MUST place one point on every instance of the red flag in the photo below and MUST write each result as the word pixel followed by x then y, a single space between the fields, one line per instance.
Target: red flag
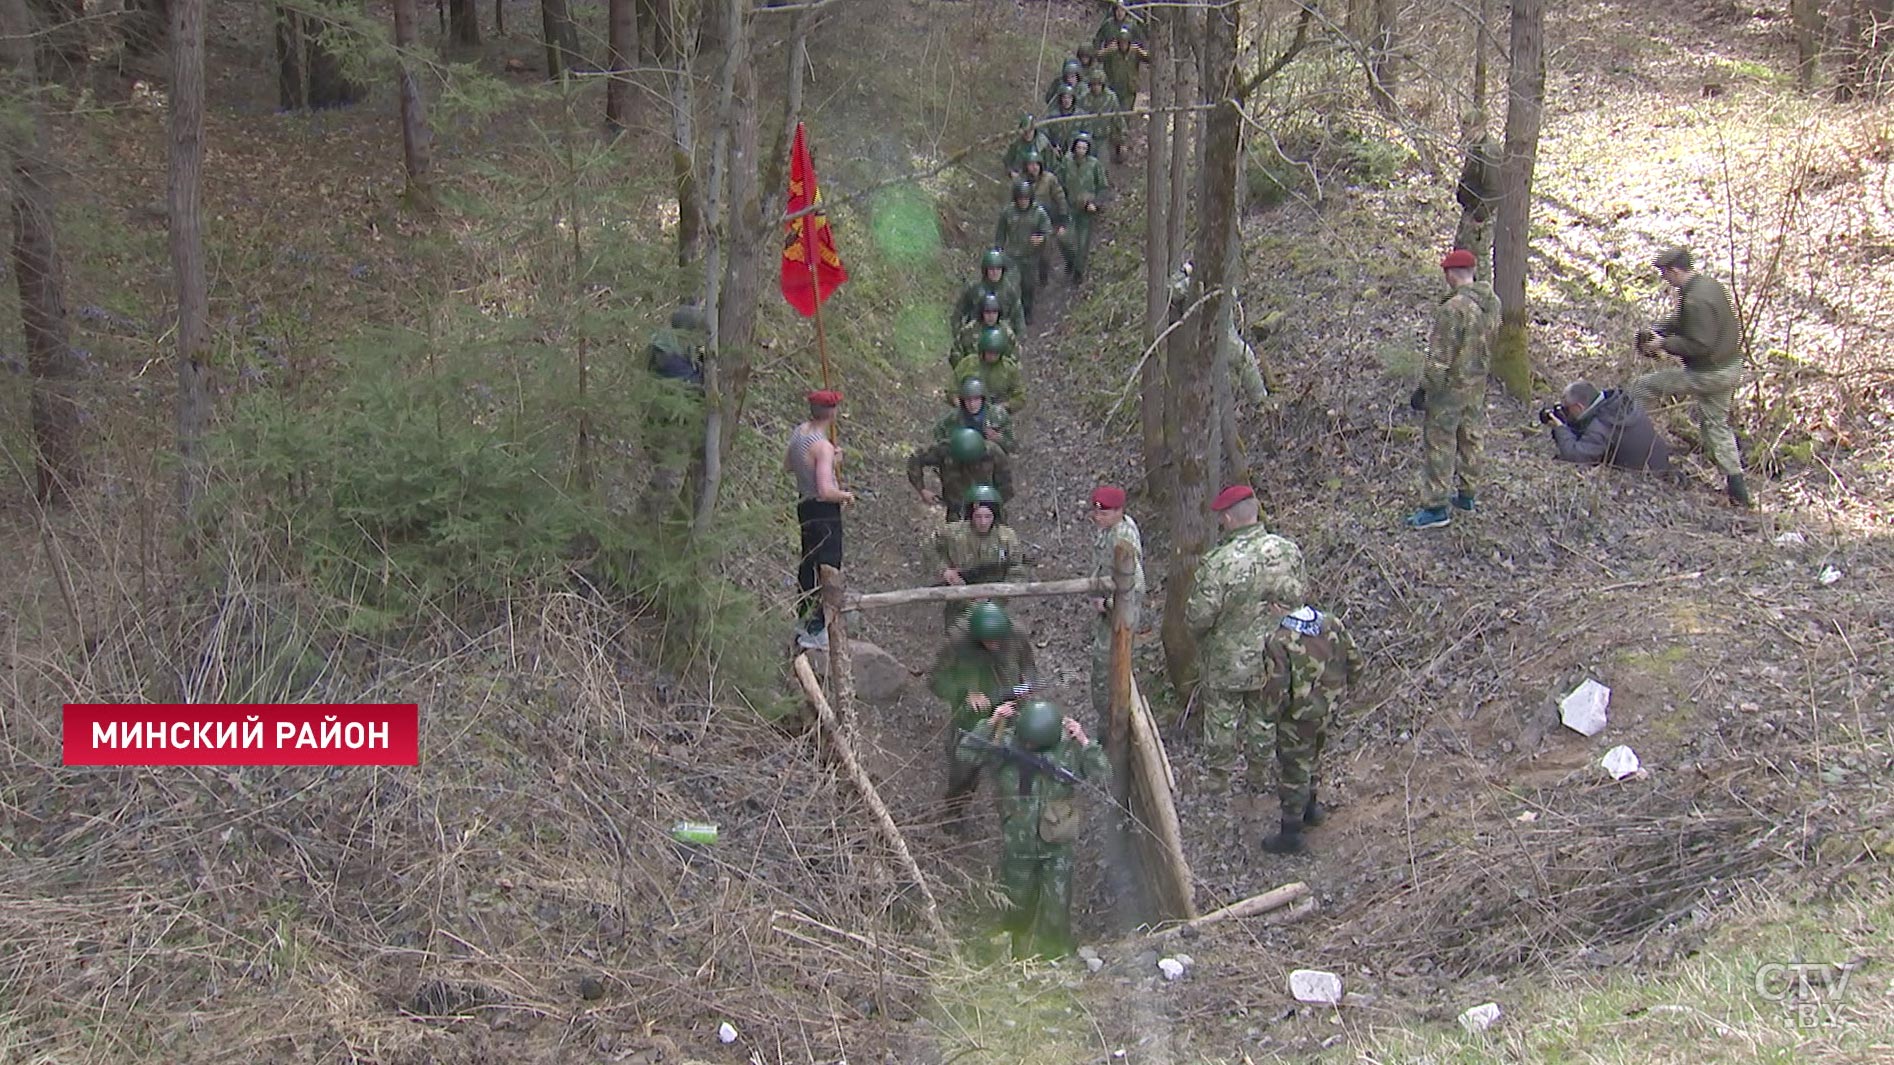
pixel 807 238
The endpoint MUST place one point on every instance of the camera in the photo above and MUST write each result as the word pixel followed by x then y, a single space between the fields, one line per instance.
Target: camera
pixel 1555 412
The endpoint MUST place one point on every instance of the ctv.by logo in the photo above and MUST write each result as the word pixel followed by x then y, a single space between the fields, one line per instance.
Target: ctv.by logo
pixel 1811 992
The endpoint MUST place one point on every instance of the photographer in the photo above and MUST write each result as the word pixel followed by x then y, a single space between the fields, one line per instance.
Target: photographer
pixel 1609 427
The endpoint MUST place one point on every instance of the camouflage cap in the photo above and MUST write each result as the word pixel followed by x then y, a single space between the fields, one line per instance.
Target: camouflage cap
pixel 1676 256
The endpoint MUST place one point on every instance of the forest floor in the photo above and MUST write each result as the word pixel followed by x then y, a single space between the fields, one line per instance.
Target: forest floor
pixel 1477 851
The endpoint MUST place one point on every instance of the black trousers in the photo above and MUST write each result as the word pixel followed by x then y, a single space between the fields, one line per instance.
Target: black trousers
pixel 821 525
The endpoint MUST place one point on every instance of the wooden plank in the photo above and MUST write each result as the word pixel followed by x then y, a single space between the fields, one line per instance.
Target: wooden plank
pixel 952 593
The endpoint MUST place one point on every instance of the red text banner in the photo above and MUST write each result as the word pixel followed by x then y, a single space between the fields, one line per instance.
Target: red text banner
pixel 242 734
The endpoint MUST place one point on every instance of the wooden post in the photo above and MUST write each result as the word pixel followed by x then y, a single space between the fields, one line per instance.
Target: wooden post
pixel 950 593
pixel 1159 835
pixel 841 669
pixel 1118 716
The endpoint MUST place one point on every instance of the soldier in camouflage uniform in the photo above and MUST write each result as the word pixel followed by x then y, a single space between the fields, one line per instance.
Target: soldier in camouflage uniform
pixel 1030 139
pixel 1102 105
pixel 1038 765
pixel 964 459
pixel 1064 119
pixel 1121 62
pixel 1021 233
pixel 1477 193
pixel 1704 335
pixel 1243 587
pixel 989 666
pixel 1048 192
pixel 994 280
pixel 1071 73
pixel 1082 176
pixel 1312 662
pixel 1453 393
pixel 1120 18
pixel 980 550
pixel 1114 526
pixel 995 366
pixel 974 409
pixel 967 338
pixel 1088 58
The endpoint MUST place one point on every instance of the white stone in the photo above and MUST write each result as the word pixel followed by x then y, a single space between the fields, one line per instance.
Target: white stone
pixel 1094 964
pixel 1480 1018
pixel 1087 953
pixel 1316 986
pixel 726 1033
pixel 1620 762
pixel 1170 967
pixel 1790 538
pixel 1583 711
pixel 1828 576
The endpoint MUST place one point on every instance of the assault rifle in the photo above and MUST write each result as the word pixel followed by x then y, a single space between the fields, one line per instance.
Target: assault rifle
pixel 1027 760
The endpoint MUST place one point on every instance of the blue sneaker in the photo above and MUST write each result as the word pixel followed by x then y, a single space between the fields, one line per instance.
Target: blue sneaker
pixel 1463 501
pixel 1429 518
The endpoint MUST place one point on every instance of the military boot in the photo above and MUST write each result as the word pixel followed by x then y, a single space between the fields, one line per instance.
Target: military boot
pixel 1739 492
pixel 1313 813
pixel 1287 841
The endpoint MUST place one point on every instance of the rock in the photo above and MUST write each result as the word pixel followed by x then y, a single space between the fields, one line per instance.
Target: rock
pixel 1087 953
pixel 1620 762
pixel 591 988
pixel 1094 964
pixel 1316 986
pixel 1583 711
pixel 1170 967
pixel 1185 960
pixel 1480 1017
pixel 726 1033
pixel 1828 576
pixel 880 678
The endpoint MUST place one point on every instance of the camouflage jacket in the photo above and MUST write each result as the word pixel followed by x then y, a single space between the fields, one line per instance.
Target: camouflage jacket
pixel 980 559
pixel 1060 125
pixel 993 416
pixel 967 307
pixel 1003 384
pixel 1106 125
pixel 1108 31
pixel 1121 68
pixel 967 337
pixel 1464 326
pixel 1232 607
pixel 1014 230
pixel 1049 192
pixel 964 667
pixel 1052 90
pixel 1311 661
pixel 1106 543
pixel 1025 794
pixel 1015 158
pixel 1702 331
pixel 1083 180
pixel 995 469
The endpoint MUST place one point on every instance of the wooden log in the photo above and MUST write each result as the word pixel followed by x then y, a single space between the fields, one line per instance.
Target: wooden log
pixel 891 832
pixel 1161 849
pixel 841 669
pixel 952 593
pixel 1119 706
pixel 1275 898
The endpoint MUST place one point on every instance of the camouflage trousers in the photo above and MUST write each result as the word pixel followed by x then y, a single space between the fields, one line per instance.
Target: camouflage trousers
pixel 1451 442
pixel 1231 718
pixel 962 779
pixel 1476 235
pixel 1301 733
pixel 1037 879
pixel 1713 391
pixel 1027 270
pixel 1078 239
pixel 1101 663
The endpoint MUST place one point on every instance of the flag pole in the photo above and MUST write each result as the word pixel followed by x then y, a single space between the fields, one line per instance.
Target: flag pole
pixel 810 251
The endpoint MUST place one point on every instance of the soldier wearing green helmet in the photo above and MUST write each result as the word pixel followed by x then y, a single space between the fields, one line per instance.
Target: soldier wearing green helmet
pixel 1030 139
pixel 1048 192
pixel 1021 233
pixel 997 280
pixel 987 666
pixel 1103 105
pixel 980 550
pixel 1072 73
pixel 974 409
pixel 965 458
pixel 1120 17
pixel 991 316
pixel 996 367
pixel 1039 763
pixel 1083 177
pixel 1121 61
pixel 1063 118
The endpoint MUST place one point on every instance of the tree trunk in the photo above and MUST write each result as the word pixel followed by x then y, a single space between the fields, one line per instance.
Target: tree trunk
pixel 1865 35
pixel 417 137
pixel 145 25
pixel 1157 257
pixel 187 245
pixel 58 461
pixel 309 76
pixel 463 22
pixel 1194 378
pixel 561 37
pixel 1526 93
pixel 1384 64
pixel 499 18
pixel 729 116
pixel 1806 17
pixel 621 56
pixel 1183 89
pixel 1482 20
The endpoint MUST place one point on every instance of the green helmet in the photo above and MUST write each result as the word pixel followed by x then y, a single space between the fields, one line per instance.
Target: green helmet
pixel 993 341
pixel 967 446
pixel 1039 725
pixel 990 302
pixel 971 387
pixel 1124 34
pixel 983 493
pixel 1031 156
pixel 1067 90
pixel 992 258
pixel 1022 189
pixel 988 621
pixel 1097 76
pixel 1025 120
pixel 1072 68
pixel 1082 137
pixel 1085 52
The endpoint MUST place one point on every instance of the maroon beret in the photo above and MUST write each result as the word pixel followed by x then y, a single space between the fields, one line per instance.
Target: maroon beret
pixel 1108 497
pixel 827 397
pixel 1231 496
pixel 1457 259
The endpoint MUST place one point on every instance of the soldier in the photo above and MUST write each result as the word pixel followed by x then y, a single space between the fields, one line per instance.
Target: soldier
pixel 677 352
pixel 1312 662
pixel 675 355
pixel 1477 193
pixel 815 463
pixel 996 280
pixel 1088 58
pixel 1021 233
pixel 1072 73
pixel 1064 119
pixel 967 337
pixel 995 366
pixel 1453 393
pixel 979 550
pixel 1120 18
pixel 963 459
pixel 990 666
pixel 1083 177
pixel 1703 333
pixel 1049 193
pixel 1114 526
pixel 972 410
pixel 1030 139
pixel 1231 611
pixel 1121 62
pixel 1103 106
pixel 1037 768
